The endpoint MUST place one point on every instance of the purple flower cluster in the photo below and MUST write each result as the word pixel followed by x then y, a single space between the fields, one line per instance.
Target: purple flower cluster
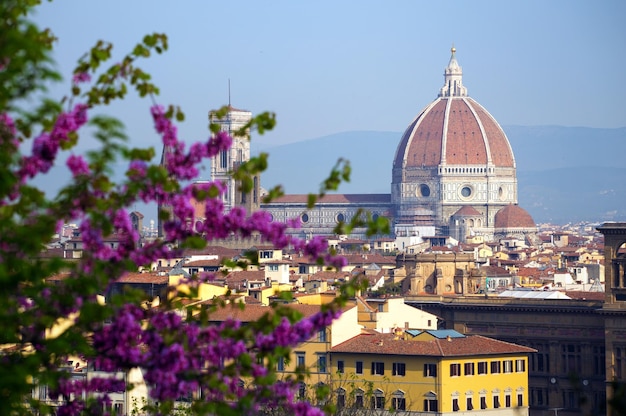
pixel 119 344
pixel 7 130
pixel 81 77
pixel 177 357
pixel 286 334
pixel 77 165
pixel 76 387
pixel 47 144
pixel 179 164
pixel 180 358
pixel 95 245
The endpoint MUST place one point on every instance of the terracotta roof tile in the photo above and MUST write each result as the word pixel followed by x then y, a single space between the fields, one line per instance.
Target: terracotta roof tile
pixel 254 312
pixel 329 275
pixel 249 275
pixel 471 345
pixel 578 295
pixel 493 271
pixel 143 278
pixel 513 216
pixel 467 210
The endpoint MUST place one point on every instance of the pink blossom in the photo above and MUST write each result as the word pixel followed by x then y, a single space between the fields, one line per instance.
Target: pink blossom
pixel 81 77
pixel 77 165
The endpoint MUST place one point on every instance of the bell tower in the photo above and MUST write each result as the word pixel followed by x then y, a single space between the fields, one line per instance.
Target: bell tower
pixel 227 161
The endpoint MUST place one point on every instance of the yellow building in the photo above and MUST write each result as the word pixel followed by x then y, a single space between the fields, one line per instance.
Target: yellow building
pixel 312 355
pixel 435 371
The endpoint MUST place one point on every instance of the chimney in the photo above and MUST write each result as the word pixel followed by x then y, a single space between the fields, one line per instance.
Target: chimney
pixel 449 338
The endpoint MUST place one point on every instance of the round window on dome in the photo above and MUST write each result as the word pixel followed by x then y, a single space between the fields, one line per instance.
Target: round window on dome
pixel 423 190
pixel 466 192
pixel 304 218
pixel 340 217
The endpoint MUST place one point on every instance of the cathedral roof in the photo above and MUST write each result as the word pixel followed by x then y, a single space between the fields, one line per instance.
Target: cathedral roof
pixel 335 199
pixel 513 216
pixel 454 130
pixel 467 211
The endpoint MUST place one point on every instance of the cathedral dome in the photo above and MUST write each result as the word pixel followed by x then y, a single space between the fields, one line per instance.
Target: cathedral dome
pixel 513 216
pixel 453 155
pixel 454 130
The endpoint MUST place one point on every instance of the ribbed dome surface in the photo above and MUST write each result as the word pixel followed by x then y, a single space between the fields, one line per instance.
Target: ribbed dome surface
pixel 513 216
pixel 454 131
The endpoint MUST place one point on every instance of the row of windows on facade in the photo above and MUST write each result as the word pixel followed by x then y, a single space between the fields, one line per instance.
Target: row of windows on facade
pixel 43 393
pixel 496 367
pixel 398 400
pixel 469 402
pixel 377 398
pixel 429 369
pixel 466 170
pixel 571 359
pixel 569 399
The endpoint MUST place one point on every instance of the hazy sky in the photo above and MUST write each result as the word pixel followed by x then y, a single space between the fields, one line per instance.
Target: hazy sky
pixel 331 66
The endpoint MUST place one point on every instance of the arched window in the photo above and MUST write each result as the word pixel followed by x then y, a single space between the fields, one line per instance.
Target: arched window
pixel 455 402
pixel 398 401
pixel 378 399
pixel 496 398
pixel 469 397
pixel 358 398
pixel 431 403
pixel 341 398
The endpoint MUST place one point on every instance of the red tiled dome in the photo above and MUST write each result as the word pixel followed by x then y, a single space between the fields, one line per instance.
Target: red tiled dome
pixel 513 216
pixel 454 131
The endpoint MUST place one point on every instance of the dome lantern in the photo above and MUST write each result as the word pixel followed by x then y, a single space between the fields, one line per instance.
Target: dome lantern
pixel 453 78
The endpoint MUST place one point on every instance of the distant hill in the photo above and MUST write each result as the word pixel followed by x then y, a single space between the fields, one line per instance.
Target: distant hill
pixel 300 167
pixel 555 147
pixel 565 174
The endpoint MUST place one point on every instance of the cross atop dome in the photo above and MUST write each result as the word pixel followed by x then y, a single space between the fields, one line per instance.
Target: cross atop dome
pixel 453 76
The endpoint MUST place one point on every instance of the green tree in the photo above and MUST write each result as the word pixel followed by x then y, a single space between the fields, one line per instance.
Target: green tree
pixel 180 354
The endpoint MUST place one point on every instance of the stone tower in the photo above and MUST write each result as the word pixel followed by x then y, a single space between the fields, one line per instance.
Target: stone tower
pixel 229 160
